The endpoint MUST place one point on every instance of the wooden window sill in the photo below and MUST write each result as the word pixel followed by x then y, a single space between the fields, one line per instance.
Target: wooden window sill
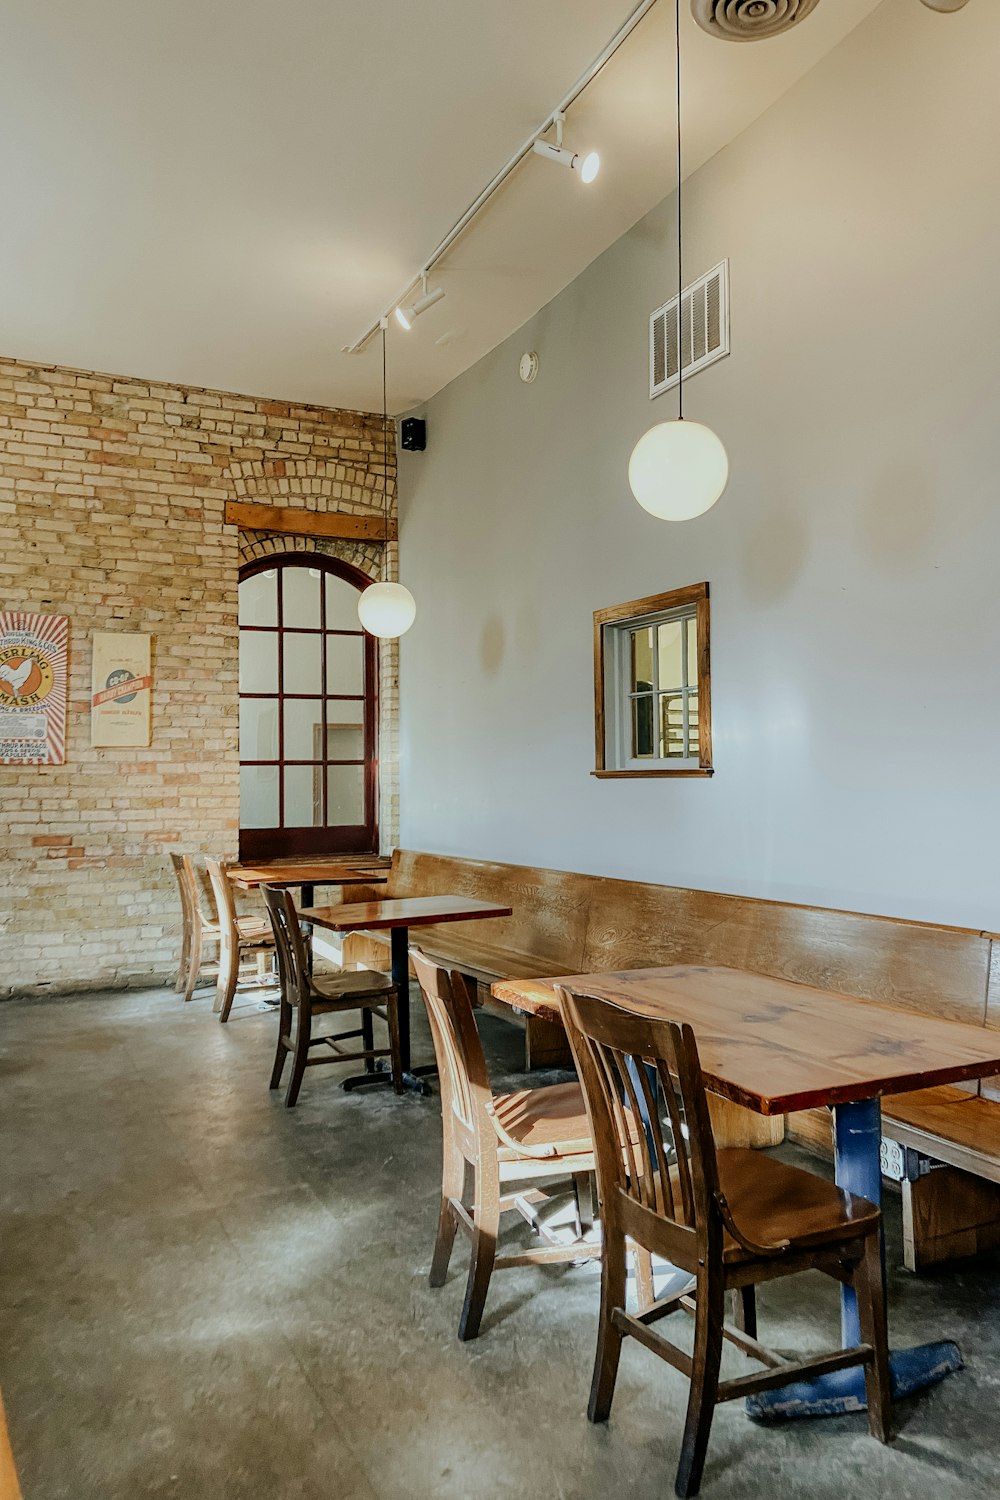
pixel 660 771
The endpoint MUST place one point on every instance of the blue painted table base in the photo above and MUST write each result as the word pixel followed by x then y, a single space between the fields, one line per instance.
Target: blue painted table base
pixel 858 1141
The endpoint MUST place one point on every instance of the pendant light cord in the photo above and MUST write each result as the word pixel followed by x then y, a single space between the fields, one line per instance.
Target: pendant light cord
pixel 680 223
pixel 385 450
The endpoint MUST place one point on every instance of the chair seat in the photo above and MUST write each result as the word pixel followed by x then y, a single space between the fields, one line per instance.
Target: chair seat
pixel 536 1118
pixel 254 930
pixel 773 1201
pixel 360 983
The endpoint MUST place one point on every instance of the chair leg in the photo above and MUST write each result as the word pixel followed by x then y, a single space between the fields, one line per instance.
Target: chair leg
pixel 452 1186
pixel 284 1034
pixel 368 1039
pixel 303 1035
pixel 870 1288
pixel 709 1317
pixel 229 973
pixel 396 1057
pixel 184 959
pixel 609 1338
pixel 745 1310
pixel 486 1218
pixel 644 1289
pixel 583 1203
pixel 194 965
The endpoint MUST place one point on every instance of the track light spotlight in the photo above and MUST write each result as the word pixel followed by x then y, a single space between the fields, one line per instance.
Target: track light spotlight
pixel 406 315
pixel 588 165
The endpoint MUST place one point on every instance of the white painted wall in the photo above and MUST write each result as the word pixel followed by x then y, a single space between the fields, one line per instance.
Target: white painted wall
pixel 852 560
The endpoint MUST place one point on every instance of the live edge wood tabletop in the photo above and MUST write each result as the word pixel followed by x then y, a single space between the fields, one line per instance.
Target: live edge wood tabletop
pixel 775 1046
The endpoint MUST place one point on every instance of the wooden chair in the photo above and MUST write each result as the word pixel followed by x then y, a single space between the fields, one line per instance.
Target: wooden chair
pixel 534 1134
pixel 306 995
pixel 731 1217
pixel 237 937
pixel 198 928
pixel 9 1487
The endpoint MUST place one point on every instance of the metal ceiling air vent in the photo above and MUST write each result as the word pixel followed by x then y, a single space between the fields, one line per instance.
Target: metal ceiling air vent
pixel 749 20
pixel 704 336
pixel 755 20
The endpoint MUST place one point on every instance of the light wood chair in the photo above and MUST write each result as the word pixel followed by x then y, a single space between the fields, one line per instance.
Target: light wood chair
pixel 305 995
pixel 237 937
pixel 533 1135
pixel 198 928
pixel 731 1217
pixel 9 1487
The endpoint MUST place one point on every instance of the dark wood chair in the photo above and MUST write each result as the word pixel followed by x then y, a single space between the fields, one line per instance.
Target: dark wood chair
pixel 731 1217
pixel 533 1135
pixel 305 995
pixel 238 938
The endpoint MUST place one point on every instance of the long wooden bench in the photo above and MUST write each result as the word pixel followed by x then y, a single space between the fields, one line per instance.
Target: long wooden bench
pixel 567 923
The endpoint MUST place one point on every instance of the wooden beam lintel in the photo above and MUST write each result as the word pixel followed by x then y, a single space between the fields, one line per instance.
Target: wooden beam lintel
pixel 291 521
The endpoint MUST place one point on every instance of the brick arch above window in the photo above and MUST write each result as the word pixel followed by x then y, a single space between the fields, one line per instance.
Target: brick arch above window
pixel 367 557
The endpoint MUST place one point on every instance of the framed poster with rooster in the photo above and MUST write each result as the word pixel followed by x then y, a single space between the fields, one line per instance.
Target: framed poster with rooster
pixel 33 661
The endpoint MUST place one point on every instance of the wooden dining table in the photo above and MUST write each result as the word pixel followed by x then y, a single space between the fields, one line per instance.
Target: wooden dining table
pixel 776 1047
pixel 398 916
pixel 309 873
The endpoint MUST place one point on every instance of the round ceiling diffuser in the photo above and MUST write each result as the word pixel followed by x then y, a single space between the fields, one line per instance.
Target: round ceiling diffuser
pixel 749 20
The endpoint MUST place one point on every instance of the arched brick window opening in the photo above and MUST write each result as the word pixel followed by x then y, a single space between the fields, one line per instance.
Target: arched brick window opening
pixel 308 709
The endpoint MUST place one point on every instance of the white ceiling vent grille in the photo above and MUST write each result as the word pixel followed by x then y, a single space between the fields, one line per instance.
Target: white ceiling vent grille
pixel 704 330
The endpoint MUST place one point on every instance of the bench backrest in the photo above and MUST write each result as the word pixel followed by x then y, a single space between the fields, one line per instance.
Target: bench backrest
pixel 592 924
pixel 939 971
pixel 990 1087
pixel 550 907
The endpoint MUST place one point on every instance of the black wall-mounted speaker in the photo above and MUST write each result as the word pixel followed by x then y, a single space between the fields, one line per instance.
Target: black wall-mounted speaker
pixel 413 434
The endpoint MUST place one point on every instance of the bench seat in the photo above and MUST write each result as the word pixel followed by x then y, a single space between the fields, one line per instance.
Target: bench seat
pixel 952 1208
pixel 949 1125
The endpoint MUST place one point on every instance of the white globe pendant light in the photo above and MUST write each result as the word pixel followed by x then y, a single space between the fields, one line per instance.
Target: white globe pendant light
pixel 386 610
pixel 678 469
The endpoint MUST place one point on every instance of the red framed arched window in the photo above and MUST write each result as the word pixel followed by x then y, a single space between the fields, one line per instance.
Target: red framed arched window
pixel 308 710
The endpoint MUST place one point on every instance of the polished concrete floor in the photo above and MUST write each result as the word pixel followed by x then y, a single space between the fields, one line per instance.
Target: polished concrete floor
pixel 206 1296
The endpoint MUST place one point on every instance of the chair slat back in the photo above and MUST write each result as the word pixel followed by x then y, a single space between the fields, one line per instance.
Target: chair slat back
pixel 648 1113
pixel 184 871
pixel 293 967
pixel 222 890
pixel 462 1070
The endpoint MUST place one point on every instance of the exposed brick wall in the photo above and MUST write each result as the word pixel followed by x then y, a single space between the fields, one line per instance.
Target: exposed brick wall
pixel 112 496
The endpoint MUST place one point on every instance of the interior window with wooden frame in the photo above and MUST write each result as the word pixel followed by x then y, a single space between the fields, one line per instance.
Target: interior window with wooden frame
pixel 308 710
pixel 652 688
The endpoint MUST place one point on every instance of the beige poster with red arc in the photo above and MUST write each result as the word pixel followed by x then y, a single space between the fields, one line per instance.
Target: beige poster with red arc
pixel 121 692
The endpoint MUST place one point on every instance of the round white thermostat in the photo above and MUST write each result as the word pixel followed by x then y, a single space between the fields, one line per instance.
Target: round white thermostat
pixel 528 368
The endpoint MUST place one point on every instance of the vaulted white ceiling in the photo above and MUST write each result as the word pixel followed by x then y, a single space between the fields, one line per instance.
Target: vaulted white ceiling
pixel 226 192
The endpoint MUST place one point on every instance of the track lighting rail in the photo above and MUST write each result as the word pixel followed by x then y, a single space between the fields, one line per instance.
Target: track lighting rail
pixel 461 225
